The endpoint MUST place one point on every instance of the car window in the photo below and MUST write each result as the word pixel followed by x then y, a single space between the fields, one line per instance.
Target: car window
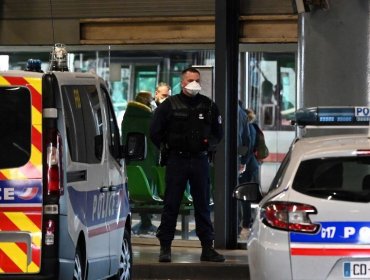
pixel 280 173
pixel 343 178
pixel 83 121
pixel 15 124
pixel 113 131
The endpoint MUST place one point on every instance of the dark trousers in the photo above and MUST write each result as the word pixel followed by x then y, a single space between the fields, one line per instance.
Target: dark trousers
pixel 179 171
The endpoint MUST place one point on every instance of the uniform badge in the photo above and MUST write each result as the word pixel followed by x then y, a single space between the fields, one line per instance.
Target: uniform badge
pixel 201 117
pixel 219 119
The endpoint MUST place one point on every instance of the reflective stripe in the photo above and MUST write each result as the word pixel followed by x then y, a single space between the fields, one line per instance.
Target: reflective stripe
pixel 21 211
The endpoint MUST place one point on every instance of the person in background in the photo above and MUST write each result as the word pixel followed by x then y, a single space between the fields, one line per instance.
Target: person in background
pixel 251 173
pixel 137 118
pixel 189 125
pixel 162 91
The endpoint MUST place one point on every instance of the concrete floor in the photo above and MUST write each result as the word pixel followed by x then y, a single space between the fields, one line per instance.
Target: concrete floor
pixel 185 262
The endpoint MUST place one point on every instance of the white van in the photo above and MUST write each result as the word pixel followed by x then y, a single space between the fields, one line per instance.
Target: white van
pixel 64 207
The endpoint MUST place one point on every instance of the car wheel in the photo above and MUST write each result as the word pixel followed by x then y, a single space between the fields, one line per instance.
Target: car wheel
pixel 79 267
pixel 125 261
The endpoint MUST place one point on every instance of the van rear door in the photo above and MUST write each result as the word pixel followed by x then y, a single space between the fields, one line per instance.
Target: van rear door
pixel 20 173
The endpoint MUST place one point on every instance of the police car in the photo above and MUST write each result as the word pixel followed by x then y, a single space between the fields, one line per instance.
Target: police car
pixel 314 222
pixel 64 207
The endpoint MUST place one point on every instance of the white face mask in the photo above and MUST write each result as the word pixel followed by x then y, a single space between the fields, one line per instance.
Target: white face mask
pixel 193 88
pixel 153 105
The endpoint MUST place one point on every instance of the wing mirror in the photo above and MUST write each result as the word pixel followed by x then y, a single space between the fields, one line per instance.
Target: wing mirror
pixel 136 146
pixel 248 192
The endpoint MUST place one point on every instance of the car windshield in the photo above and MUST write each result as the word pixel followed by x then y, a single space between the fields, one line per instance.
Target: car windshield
pixel 345 178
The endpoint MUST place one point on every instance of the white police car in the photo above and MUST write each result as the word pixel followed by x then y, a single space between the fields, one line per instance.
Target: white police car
pixel 314 222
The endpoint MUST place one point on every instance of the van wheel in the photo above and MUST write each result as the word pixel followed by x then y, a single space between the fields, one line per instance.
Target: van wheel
pixel 79 268
pixel 125 261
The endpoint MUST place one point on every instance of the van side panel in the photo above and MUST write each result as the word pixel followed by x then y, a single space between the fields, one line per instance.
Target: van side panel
pixel 21 194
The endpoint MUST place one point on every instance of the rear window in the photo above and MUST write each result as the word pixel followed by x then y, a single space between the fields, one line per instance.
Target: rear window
pixel 346 178
pixel 15 126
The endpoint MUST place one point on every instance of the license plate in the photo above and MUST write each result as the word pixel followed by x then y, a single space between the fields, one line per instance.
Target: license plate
pixel 356 270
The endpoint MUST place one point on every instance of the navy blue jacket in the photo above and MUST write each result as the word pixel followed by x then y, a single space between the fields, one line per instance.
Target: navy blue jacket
pixel 163 114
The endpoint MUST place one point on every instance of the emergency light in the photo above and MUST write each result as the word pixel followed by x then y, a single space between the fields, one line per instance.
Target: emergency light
pixel 58 58
pixel 333 116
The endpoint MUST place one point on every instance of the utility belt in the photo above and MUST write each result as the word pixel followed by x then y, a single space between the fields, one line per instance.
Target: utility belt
pixel 188 154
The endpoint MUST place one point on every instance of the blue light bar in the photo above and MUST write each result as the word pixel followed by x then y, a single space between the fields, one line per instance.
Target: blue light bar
pixel 332 116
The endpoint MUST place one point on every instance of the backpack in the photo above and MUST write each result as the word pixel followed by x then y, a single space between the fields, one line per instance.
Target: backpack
pixel 260 149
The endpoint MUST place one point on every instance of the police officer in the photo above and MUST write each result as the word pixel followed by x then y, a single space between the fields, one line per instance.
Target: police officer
pixel 189 125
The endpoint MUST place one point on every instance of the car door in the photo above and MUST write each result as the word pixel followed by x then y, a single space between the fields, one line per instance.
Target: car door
pixel 119 205
pixel 87 170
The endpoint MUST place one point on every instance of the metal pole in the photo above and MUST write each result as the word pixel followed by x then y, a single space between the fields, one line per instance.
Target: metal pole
pixel 226 96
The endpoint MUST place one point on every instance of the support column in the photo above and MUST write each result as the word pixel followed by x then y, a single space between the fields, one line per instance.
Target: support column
pixel 226 96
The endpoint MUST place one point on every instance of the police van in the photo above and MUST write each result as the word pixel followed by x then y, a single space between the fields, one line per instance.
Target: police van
pixel 64 208
pixel 314 222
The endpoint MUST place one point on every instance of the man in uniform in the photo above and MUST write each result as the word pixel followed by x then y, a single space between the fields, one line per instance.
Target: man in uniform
pixel 189 126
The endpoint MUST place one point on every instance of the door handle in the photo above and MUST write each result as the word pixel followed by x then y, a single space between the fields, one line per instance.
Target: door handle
pixel 104 189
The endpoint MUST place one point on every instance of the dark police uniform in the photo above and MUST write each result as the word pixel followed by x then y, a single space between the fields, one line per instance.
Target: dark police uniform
pixel 190 127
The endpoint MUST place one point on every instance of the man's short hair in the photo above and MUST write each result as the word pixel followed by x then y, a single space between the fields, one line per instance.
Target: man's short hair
pixel 190 69
pixel 162 84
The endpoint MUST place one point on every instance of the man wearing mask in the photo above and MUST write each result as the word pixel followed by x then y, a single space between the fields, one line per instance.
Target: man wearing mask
pixel 162 91
pixel 189 125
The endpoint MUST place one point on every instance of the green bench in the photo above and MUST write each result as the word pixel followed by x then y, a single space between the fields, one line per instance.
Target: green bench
pixel 147 199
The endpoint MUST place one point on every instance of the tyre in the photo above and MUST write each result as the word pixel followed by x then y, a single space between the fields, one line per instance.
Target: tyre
pixel 79 267
pixel 125 262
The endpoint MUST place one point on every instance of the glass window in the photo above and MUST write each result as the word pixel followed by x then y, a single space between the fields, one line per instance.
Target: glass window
pixel 83 122
pixel 345 178
pixel 280 173
pixel 15 124
pixel 113 131
pixel 146 78
pixel 272 88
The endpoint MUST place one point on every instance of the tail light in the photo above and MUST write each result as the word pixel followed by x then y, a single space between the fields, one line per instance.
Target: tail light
pixel 289 216
pixel 53 163
pixel 363 153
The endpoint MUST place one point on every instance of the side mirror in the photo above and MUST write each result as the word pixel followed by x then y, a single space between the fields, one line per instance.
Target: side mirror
pixel 136 146
pixel 248 192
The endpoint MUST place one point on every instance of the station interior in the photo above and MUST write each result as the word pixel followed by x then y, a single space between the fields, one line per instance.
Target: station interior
pixel 312 52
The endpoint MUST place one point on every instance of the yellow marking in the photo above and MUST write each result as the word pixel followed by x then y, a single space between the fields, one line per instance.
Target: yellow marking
pixel 36 158
pixel 3 81
pixel 18 257
pixel 77 97
pixel 15 254
pixel 25 224
pixel 33 268
pixel 13 173
pixel 36 118
pixel 35 82
pixel 1 271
